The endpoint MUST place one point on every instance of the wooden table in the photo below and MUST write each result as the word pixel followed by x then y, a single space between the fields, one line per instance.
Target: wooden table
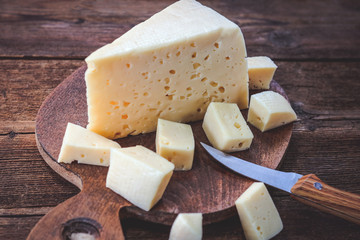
pixel 316 45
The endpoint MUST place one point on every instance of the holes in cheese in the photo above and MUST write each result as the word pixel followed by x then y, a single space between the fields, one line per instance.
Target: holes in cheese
pixel 185 45
pixel 139 175
pixel 258 214
pixel 81 145
pixel 261 71
pixel 175 142
pixel 269 110
pixel 187 226
pixel 226 128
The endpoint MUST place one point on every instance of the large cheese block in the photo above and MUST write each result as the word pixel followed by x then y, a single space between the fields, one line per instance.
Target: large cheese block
pixel 85 146
pixel 175 142
pixel 269 110
pixel 261 71
pixel 170 66
pixel 139 175
pixel 226 128
pixel 187 226
pixel 258 214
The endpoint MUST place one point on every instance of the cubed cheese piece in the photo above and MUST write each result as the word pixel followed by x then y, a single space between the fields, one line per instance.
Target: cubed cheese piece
pixel 139 175
pixel 170 66
pixel 226 128
pixel 85 146
pixel 175 142
pixel 269 110
pixel 258 214
pixel 261 71
pixel 187 226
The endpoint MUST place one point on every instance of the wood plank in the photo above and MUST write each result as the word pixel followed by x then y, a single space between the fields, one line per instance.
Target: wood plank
pixel 17 227
pixel 279 29
pixel 322 88
pixel 28 175
pixel 313 88
pixel 300 222
pixel 12 127
pixel 29 181
pixel 25 85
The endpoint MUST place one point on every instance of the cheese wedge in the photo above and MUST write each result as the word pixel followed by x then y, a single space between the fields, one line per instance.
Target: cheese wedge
pixel 261 71
pixel 170 66
pixel 258 214
pixel 187 226
pixel 226 128
pixel 85 146
pixel 139 175
pixel 175 142
pixel 269 110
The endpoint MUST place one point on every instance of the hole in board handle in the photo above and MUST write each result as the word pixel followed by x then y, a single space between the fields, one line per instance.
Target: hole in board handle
pixel 81 226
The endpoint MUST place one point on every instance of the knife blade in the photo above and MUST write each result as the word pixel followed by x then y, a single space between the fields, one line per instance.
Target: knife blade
pixel 281 180
pixel 308 189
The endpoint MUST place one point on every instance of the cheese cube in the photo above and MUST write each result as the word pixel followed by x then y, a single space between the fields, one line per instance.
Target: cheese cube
pixel 139 175
pixel 269 110
pixel 175 142
pixel 170 66
pixel 258 214
pixel 187 226
pixel 226 128
pixel 261 71
pixel 85 146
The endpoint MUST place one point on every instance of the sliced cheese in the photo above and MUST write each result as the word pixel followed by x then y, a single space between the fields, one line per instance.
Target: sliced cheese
pixel 170 66
pixel 85 146
pixel 187 226
pixel 226 128
pixel 139 175
pixel 261 71
pixel 269 110
pixel 175 142
pixel 258 214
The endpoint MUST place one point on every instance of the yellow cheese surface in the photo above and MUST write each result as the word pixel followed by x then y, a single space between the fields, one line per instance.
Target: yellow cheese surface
pixel 269 110
pixel 139 175
pixel 187 226
pixel 258 214
pixel 226 128
pixel 175 142
pixel 170 66
pixel 261 71
pixel 84 146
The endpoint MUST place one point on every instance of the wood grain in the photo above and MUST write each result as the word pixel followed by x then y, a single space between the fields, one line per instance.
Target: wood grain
pixel 313 192
pixel 279 29
pixel 316 41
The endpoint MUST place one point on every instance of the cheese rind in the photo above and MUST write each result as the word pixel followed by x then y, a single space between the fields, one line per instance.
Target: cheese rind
pixel 170 66
pixel 226 128
pixel 175 142
pixel 187 226
pixel 258 214
pixel 84 146
pixel 261 71
pixel 139 175
pixel 269 110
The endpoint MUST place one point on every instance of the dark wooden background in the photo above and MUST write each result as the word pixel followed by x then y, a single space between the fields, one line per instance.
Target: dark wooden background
pixel 316 45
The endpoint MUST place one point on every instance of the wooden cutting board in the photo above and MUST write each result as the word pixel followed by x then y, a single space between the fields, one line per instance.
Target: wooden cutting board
pixel 208 188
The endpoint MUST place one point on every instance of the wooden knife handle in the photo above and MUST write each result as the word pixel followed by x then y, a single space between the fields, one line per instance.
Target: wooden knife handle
pixel 313 192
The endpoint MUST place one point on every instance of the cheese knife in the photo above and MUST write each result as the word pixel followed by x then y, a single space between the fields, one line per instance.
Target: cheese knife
pixel 308 189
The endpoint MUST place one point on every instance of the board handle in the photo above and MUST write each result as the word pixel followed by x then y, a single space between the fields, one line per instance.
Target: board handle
pixel 91 211
pixel 313 192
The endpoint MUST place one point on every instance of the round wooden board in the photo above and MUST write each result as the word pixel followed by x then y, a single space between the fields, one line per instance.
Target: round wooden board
pixel 208 188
